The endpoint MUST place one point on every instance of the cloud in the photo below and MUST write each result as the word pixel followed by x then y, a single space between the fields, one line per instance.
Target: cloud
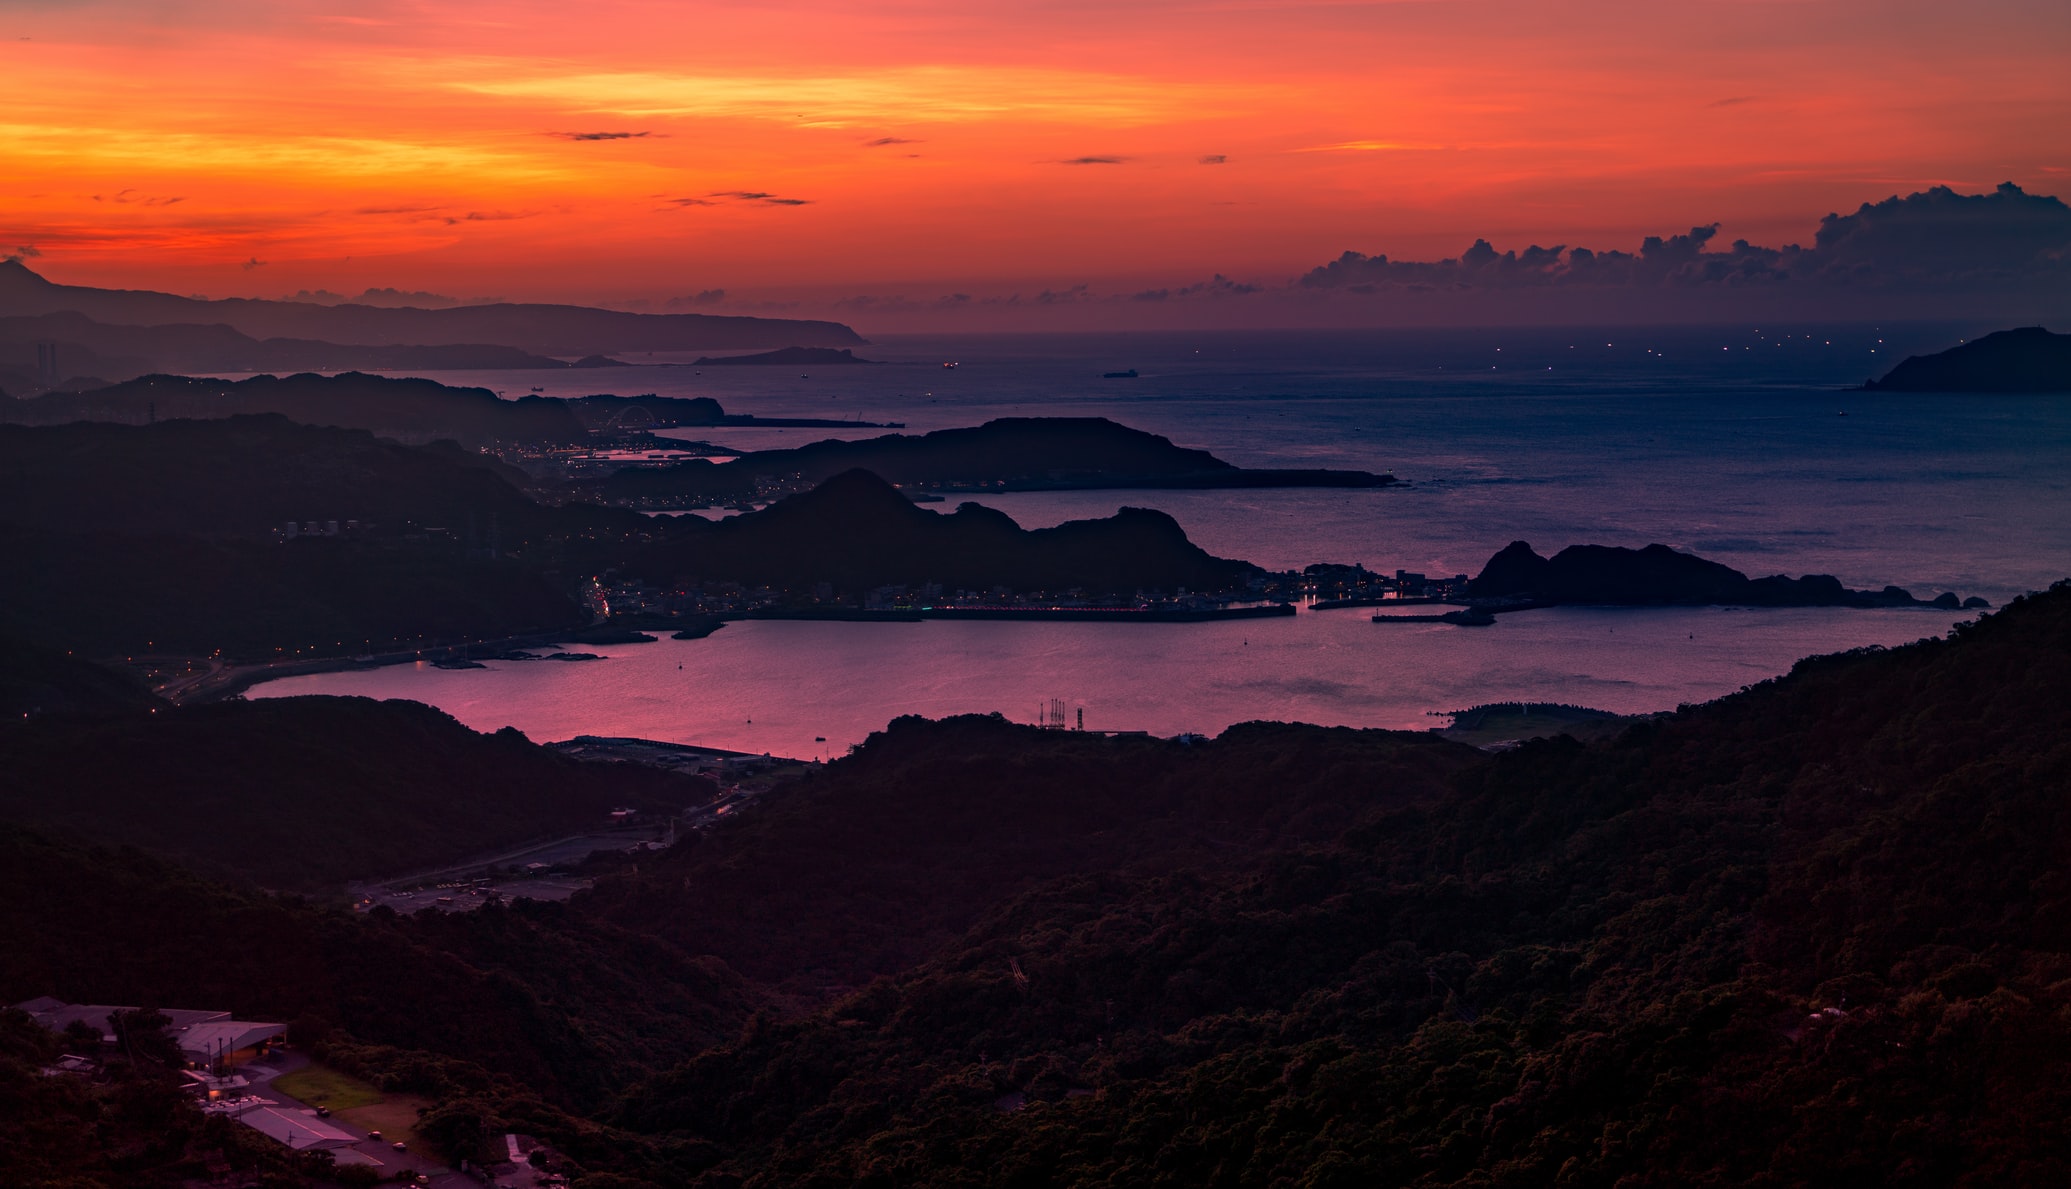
pixel 1215 159
pixel 396 210
pixel 901 304
pixel 602 135
pixel 132 198
pixel 21 252
pixel 1731 101
pixel 1933 241
pixel 1372 146
pixel 752 197
pixel 882 141
pixel 253 263
pixel 703 297
pixel 489 217
pixel 1094 161
pixel 1216 286
pixel 396 297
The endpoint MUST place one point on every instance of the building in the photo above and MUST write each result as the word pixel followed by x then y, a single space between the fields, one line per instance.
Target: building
pixel 204 1037
pixel 303 1133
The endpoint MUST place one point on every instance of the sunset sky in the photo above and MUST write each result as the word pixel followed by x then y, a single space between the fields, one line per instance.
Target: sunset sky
pixel 615 150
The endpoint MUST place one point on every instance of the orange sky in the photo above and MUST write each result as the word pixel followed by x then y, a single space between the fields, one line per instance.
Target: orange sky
pixel 257 148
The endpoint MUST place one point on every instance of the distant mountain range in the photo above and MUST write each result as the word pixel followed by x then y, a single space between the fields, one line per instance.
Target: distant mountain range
pixel 532 329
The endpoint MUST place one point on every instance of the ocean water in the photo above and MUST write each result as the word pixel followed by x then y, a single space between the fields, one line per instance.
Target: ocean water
pixel 1742 444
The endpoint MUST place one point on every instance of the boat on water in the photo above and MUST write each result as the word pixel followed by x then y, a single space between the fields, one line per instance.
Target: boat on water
pixel 1128 375
pixel 949 366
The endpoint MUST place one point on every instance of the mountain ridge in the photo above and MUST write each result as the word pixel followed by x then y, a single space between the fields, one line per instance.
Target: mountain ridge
pixel 547 329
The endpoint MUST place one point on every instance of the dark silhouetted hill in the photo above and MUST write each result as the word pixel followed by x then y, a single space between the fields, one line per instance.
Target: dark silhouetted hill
pixel 2029 359
pixel 925 831
pixel 112 595
pixel 125 539
pixel 856 531
pixel 36 680
pixel 245 476
pixel 1011 454
pixel 1657 574
pixel 321 790
pixel 543 329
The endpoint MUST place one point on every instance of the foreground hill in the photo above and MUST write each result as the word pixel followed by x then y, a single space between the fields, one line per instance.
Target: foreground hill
pixel 2029 359
pixel 868 870
pixel 322 790
pixel 461 997
pixel 544 329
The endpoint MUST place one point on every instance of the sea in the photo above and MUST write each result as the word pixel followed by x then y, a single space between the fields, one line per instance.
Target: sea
pixel 1749 445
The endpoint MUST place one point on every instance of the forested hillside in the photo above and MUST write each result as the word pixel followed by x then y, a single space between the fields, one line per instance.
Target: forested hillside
pixel 1584 966
pixel 1817 933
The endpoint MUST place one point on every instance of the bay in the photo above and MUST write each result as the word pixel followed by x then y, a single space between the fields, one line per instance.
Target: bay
pixel 1742 444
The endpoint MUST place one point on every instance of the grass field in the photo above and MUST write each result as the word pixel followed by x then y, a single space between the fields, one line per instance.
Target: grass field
pixel 395 1117
pixel 318 1086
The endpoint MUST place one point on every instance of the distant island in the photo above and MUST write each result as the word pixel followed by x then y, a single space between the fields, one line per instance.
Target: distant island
pixel 786 357
pixel 2028 359
pixel 1660 576
pixel 1007 454
pixel 408 410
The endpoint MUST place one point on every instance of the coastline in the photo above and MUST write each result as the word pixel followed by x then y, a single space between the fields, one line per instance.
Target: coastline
pixel 229 681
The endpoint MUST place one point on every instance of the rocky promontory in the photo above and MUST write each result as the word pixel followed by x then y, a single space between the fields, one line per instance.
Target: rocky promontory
pixel 2029 359
pixel 1660 576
